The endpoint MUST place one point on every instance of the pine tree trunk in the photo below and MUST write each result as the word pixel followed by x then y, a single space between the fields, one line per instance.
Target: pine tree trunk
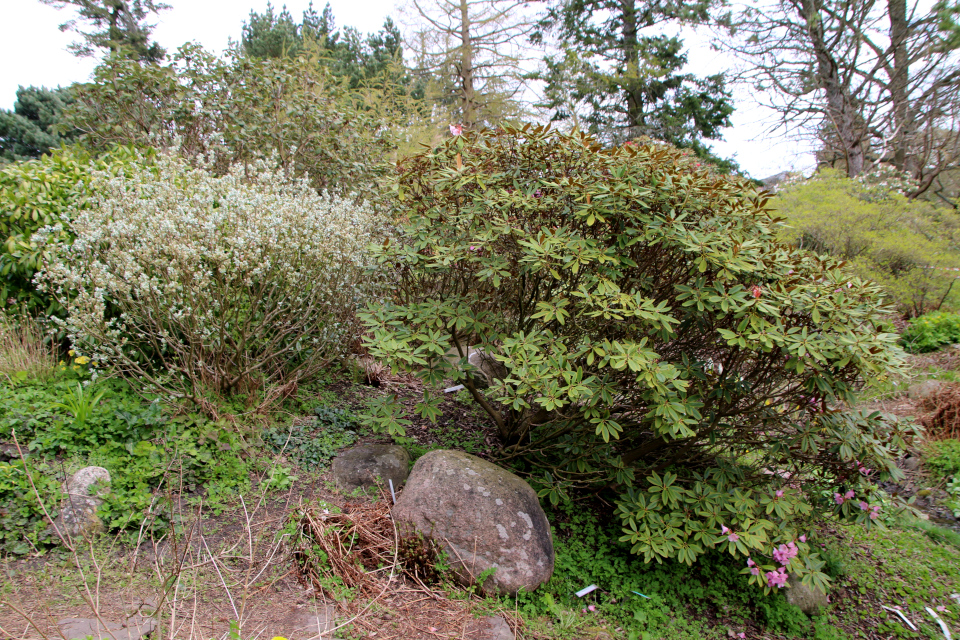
pixel 466 68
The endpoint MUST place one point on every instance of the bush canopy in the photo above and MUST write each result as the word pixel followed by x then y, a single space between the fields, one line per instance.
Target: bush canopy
pixel 654 337
pixel 202 284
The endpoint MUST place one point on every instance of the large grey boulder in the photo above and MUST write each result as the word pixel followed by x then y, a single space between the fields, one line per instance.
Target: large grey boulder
pixel 483 516
pixel 83 496
pixel 810 601
pixel 364 466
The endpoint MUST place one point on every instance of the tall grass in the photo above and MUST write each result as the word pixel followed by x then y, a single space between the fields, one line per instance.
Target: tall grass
pixel 23 352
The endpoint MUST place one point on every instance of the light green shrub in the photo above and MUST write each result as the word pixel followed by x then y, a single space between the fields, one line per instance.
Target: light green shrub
pixel 910 248
pixel 654 336
pixel 199 284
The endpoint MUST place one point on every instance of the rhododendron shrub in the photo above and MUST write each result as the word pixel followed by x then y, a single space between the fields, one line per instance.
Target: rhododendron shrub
pixel 203 284
pixel 655 338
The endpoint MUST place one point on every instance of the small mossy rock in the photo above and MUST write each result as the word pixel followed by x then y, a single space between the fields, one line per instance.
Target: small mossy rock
pixel 78 514
pixel 9 452
pixel 925 389
pixel 482 516
pixel 364 466
pixel 489 628
pixel 490 368
pixel 810 601
pixel 487 368
pixel 134 628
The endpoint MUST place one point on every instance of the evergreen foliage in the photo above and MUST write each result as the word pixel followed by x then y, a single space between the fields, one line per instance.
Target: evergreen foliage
pixel 34 126
pixel 38 193
pixel 619 83
pixel 375 59
pixel 119 27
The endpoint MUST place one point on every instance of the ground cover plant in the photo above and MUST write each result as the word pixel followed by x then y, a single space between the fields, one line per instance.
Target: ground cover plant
pixel 931 332
pixel 146 450
pixel 201 284
pixel 654 336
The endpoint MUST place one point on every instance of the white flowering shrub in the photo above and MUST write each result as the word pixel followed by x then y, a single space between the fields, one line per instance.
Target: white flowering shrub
pixel 201 284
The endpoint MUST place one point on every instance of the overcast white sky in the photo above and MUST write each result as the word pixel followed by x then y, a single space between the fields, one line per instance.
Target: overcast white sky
pixel 34 53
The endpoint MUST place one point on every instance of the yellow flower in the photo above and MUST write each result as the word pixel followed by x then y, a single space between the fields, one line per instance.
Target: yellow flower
pixel 75 368
pixel 82 360
pixel 71 352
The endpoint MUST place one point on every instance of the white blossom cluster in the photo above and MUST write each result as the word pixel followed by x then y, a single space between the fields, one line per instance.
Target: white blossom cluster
pixel 230 282
pixel 885 178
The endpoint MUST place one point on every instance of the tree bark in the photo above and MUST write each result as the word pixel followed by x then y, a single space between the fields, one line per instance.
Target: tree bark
pixel 840 110
pixel 899 80
pixel 631 57
pixel 468 105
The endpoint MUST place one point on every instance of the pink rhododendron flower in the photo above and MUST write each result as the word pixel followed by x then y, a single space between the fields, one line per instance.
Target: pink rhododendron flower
pixel 756 291
pixel 733 537
pixel 750 562
pixel 754 571
pixel 849 495
pixel 456 129
pixel 838 498
pixel 785 552
pixel 780 493
pixel 864 506
pixel 777 578
pixel 724 530
pixel 803 538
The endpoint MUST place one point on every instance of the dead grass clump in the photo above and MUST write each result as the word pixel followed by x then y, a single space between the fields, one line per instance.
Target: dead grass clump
pixel 941 412
pixel 373 373
pixel 337 551
pixel 22 349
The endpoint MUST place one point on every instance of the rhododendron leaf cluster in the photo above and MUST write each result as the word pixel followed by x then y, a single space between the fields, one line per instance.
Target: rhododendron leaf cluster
pixel 202 284
pixel 653 334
